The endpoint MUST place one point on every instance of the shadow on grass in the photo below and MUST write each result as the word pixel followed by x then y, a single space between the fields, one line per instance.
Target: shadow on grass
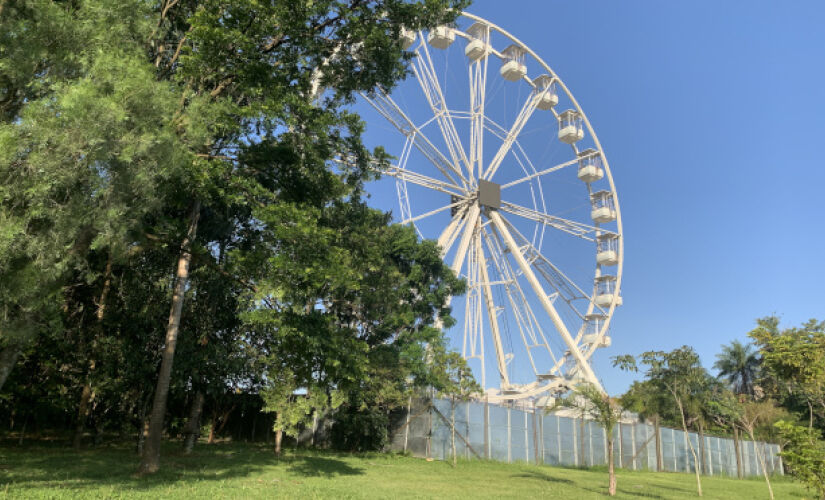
pixel 48 466
pixel 542 476
pixel 322 467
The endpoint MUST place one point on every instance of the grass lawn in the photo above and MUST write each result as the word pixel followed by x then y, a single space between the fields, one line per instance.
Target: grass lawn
pixel 229 470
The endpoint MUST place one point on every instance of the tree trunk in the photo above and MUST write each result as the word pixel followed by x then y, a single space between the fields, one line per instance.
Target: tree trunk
pixel 737 452
pixel 8 357
pixel 659 456
pixel 761 458
pixel 23 431
pixel 193 426
pixel 143 429
pixel 224 420
pixel 690 445
pixel 702 447
pixel 99 425
pixel 611 467
pixel 86 394
pixel 82 415
pixel 452 434
pixel 144 432
pixel 279 436
pixel 212 428
pixel 150 461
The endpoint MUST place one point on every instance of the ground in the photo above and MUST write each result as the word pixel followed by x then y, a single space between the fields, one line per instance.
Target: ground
pixel 228 470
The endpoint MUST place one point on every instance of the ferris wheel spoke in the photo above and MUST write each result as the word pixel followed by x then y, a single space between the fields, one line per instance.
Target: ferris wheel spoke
pixel 492 314
pixel 428 80
pixel 581 361
pixel 388 108
pixel 433 212
pixel 579 229
pixel 423 181
pixel 567 289
pixel 518 299
pixel 531 333
pixel 554 168
pixel 524 115
pixel 466 238
pixel 449 234
pixel 478 90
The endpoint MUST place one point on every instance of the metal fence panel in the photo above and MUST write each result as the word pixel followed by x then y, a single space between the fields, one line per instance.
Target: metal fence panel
pixel 551 441
pixel 519 444
pixel 511 435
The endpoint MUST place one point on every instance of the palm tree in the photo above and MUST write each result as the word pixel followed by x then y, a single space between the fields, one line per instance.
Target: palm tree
pixel 739 365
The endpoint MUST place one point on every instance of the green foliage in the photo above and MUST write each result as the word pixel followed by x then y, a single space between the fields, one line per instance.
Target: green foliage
pixel 294 410
pixel 804 455
pixel 592 404
pixel 670 377
pixel 739 365
pixel 794 361
pixel 115 115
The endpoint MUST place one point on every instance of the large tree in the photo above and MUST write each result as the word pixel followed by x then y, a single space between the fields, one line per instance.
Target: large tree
pixel 177 126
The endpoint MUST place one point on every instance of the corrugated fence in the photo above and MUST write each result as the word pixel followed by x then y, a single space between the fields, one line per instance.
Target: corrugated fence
pixel 510 434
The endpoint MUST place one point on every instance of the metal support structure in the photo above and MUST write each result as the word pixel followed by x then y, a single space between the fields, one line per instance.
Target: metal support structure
pixel 582 363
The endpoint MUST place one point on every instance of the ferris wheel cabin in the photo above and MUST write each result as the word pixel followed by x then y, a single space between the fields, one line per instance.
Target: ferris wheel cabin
pixel 441 37
pixel 477 47
pixel 606 290
pixel 593 325
pixel 590 166
pixel 407 38
pixel 604 209
pixel 513 68
pixel 546 89
pixel 607 249
pixel 570 127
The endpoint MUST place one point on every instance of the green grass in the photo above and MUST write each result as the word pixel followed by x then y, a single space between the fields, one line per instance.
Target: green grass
pixel 250 471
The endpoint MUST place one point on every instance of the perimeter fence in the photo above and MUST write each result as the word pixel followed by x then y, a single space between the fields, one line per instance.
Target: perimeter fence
pixel 509 434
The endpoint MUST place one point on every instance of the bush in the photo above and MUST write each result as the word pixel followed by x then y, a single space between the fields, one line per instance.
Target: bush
pixel 804 455
pixel 358 429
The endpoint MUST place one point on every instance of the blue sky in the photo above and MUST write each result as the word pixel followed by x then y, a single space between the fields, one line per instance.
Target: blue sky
pixel 711 115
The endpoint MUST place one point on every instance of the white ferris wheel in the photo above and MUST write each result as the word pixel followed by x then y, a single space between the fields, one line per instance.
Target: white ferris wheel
pixel 497 161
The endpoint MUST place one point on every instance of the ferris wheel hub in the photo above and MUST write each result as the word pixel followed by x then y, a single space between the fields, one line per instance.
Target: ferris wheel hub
pixel 489 194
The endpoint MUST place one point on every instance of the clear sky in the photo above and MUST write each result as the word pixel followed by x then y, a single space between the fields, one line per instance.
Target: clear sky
pixel 711 115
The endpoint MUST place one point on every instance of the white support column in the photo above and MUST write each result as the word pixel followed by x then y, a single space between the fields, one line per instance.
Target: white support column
pixel 582 363
pixel 447 235
pixel 491 315
pixel 461 253
pixel 466 238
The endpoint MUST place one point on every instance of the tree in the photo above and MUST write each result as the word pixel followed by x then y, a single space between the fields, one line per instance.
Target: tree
pixel 593 404
pixel 794 359
pixel 725 409
pixel 459 385
pixel 738 364
pixel 680 374
pixel 186 128
pixel 804 455
pixel 358 314
pixel 644 399
pixel 755 413
pixel 84 142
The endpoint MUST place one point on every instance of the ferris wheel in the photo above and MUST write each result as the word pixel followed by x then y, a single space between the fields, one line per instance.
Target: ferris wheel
pixel 496 160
